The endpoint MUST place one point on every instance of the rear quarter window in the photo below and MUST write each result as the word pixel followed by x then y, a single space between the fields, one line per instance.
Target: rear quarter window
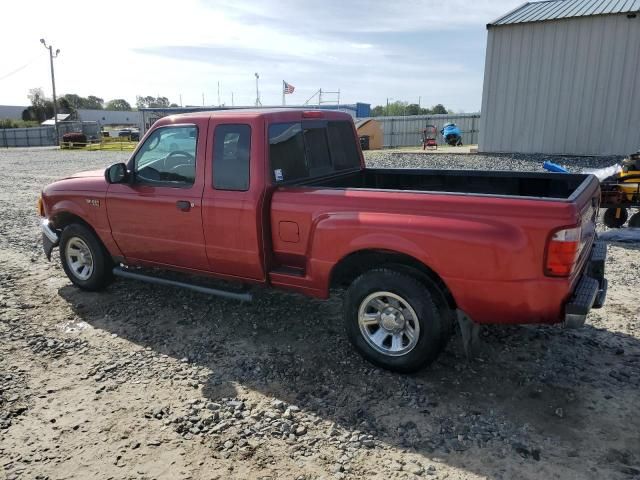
pixel 302 150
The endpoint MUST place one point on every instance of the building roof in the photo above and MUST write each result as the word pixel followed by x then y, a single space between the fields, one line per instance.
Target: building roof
pixel 557 9
pixel 61 118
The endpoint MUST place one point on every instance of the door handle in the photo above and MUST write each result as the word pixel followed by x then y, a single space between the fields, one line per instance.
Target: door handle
pixel 184 205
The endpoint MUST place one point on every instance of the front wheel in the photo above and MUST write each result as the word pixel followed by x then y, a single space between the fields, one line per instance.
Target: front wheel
pixel 392 320
pixel 84 259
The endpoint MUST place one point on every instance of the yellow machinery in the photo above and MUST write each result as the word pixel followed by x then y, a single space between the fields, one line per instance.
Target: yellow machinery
pixel 621 193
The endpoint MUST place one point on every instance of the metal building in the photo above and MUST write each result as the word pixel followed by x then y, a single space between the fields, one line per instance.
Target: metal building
pixel 563 77
pixel 109 117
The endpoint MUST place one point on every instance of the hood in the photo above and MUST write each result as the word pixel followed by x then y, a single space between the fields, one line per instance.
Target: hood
pixel 88 181
pixel 88 173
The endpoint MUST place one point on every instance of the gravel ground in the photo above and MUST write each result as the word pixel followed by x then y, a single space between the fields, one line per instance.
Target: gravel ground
pixel 147 382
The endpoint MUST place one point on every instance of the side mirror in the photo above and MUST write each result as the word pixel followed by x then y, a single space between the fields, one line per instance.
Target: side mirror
pixel 116 173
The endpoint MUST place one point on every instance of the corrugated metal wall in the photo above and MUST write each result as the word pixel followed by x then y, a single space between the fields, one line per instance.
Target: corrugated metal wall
pixel 27 137
pixel 45 136
pixel 569 87
pixel 407 131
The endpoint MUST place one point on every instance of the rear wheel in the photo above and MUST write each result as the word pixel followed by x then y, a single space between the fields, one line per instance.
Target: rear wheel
pixel 84 258
pixel 613 218
pixel 392 320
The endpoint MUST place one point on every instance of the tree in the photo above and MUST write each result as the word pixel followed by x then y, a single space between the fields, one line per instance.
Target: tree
pixel 118 104
pixel 94 103
pixel 70 102
pixel 400 108
pixel 377 111
pixel 40 108
pixel 439 110
pixel 152 102
pixel 37 98
pixel 413 109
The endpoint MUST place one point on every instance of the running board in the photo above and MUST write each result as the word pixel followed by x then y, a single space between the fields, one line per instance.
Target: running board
pixel 243 297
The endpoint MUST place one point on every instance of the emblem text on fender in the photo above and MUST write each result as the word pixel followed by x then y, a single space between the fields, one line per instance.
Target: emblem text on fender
pixel 93 202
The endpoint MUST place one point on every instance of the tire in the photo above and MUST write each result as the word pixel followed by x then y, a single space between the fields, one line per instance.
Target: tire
pixel 634 221
pixel 394 323
pixel 84 259
pixel 610 219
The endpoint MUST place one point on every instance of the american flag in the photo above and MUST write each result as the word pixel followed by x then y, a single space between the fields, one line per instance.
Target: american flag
pixel 287 88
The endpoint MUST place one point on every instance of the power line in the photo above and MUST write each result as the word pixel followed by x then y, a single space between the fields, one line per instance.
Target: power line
pixel 19 68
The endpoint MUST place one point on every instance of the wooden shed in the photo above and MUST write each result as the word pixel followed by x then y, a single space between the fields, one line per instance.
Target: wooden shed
pixel 372 129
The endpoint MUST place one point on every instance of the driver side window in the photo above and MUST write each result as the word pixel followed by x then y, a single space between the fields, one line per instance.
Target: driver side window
pixel 168 157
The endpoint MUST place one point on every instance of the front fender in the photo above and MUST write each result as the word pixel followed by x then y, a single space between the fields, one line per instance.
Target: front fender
pixel 90 207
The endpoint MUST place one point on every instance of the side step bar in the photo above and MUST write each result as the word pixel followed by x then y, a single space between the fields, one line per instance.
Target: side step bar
pixel 121 272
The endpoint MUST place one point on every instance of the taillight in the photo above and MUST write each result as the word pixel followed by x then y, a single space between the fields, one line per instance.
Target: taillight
pixel 40 206
pixel 563 251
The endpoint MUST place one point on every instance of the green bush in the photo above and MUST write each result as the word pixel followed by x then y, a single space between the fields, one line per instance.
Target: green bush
pixel 8 123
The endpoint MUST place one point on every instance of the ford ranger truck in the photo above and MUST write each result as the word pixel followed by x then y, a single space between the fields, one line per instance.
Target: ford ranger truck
pixel 282 198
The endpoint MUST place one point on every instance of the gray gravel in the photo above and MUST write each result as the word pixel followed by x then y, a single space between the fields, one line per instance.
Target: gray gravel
pixel 143 381
pixel 397 159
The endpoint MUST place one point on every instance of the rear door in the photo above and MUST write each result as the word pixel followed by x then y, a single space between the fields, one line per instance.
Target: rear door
pixel 233 198
pixel 157 217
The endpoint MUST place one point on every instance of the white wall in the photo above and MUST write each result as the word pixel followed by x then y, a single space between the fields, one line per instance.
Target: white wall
pixel 563 87
pixel 109 117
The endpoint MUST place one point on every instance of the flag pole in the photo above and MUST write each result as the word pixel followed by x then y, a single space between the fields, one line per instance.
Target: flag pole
pixel 283 104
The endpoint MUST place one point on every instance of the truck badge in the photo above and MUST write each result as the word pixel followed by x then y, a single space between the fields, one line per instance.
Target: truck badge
pixel 93 202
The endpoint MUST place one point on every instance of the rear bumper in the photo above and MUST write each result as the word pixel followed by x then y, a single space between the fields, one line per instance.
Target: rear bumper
pixel 50 238
pixel 590 291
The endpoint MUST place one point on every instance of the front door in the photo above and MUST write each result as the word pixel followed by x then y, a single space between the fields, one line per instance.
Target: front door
pixel 157 217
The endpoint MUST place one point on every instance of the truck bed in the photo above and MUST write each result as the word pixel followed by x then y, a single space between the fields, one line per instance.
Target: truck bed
pixel 496 183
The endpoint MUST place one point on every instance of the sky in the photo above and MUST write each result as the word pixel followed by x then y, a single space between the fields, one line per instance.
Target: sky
pixel 370 50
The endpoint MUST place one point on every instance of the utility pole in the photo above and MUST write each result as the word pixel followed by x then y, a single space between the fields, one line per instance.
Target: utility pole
pixel 203 99
pixel 387 106
pixel 232 99
pixel 218 93
pixel 180 99
pixel 258 102
pixel 53 85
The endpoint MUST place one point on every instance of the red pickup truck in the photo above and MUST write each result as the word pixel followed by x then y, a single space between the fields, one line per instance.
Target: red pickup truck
pixel 282 198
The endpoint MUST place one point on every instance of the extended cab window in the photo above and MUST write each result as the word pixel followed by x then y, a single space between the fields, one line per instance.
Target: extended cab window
pixel 302 150
pixel 168 157
pixel 231 146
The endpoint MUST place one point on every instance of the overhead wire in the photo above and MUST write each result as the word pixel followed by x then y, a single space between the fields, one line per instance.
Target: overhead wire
pixel 13 72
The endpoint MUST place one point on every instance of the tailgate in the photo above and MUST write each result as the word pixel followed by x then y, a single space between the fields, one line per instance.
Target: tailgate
pixel 587 203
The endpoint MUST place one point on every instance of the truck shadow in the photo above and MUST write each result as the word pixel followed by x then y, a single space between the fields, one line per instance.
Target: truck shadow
pixel 535 393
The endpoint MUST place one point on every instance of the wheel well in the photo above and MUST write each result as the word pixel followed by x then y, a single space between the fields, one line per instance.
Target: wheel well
pixel 355 264
pixel 63 219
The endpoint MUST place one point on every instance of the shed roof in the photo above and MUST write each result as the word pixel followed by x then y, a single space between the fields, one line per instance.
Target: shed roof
pixel 557 9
